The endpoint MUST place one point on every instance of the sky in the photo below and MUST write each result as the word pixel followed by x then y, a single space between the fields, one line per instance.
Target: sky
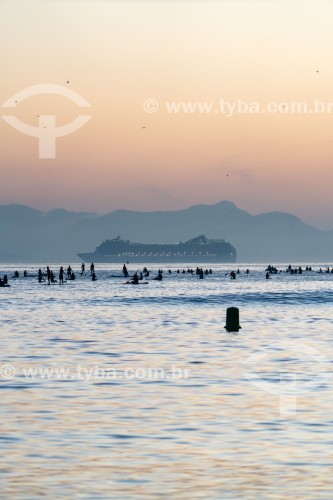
pixel 131 61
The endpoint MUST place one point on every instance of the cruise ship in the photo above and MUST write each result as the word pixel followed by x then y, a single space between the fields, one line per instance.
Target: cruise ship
pixel 197 250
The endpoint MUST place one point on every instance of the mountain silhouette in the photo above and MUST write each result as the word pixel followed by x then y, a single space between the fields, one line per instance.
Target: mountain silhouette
pixel 30 235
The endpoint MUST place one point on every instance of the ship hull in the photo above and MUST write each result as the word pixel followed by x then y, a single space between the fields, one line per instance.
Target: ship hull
pixel 144 259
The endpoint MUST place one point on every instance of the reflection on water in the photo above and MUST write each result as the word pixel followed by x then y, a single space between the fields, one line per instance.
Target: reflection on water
pixel 102 428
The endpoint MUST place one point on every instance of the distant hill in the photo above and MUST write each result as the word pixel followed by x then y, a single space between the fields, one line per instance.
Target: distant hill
pixel 58 235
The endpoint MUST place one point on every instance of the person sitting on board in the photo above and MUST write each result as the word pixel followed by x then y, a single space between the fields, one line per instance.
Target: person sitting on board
pixel 93 276
pixel 135 280
pixel 5 279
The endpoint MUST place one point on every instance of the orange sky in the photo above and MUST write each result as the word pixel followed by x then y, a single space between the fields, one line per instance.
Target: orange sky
pixel 118 54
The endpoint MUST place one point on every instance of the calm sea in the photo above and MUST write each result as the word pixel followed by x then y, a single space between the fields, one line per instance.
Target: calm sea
pixel 116 391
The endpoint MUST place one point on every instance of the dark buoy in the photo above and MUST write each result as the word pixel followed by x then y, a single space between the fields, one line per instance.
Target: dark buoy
pixel 232 320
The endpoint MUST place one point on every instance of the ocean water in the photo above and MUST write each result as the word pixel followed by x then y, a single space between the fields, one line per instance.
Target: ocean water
pixel 116 391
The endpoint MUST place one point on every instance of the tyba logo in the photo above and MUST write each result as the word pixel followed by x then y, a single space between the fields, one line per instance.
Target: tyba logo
pixel 46 132
pixel 294 356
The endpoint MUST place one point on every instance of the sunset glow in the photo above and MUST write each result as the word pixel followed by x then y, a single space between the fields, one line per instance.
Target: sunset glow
pixel 119 54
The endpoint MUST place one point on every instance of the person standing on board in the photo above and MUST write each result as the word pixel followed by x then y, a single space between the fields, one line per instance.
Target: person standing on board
pixel 83 268
pixel 61 275
pixel 92 268
pixel 69 272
